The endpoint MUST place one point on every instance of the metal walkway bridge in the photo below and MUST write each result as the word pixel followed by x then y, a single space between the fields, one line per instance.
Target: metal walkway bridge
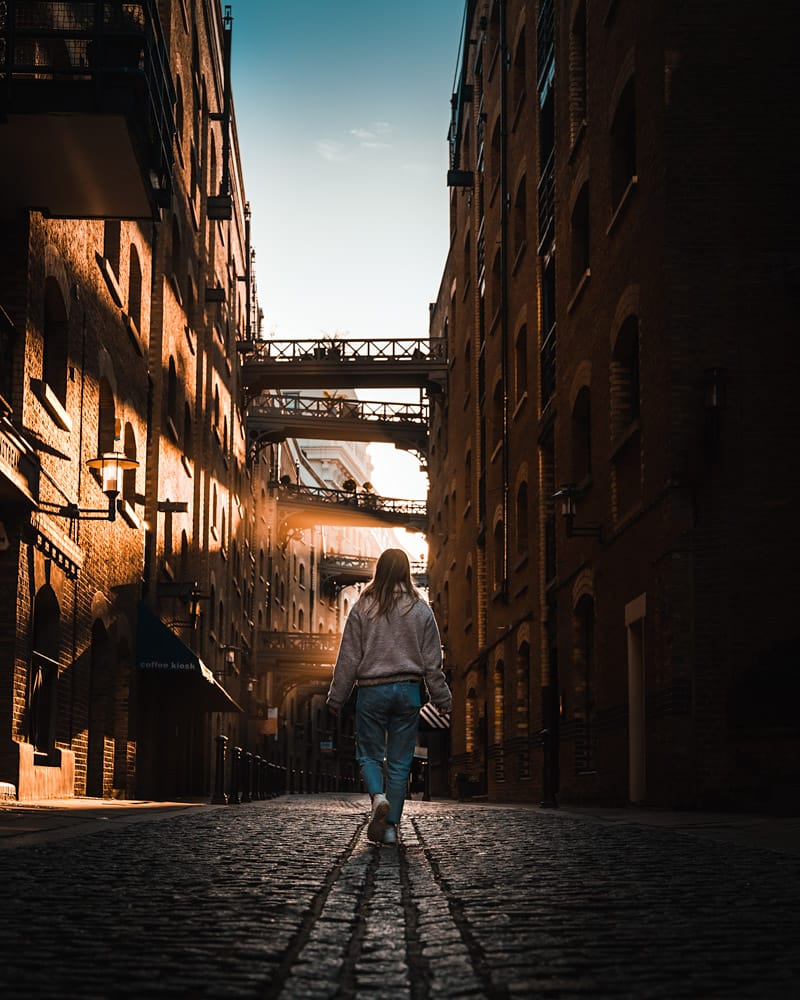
pixel 303 507
pixel 273 417
pixel 331 363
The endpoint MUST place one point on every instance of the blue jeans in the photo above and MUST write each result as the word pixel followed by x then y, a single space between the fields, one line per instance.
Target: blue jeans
pixel 387 719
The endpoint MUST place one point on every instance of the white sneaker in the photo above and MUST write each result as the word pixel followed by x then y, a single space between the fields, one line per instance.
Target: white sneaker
pixel 377 821
pixel 390 835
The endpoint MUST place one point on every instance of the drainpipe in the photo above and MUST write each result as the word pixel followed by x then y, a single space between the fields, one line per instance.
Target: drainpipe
pixel 504 262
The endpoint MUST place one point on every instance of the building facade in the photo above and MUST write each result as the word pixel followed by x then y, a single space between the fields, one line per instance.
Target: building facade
pixel 607 552
pixel 146 563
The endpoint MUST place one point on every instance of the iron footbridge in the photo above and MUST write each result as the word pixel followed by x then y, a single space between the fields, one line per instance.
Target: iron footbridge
pixel 329 363
pixel 272 417
pixel 305 506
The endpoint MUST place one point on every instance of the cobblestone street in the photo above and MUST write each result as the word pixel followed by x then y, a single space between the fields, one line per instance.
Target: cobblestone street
pixel 286 898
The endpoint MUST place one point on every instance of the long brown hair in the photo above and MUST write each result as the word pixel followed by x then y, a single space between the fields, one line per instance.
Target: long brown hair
pixel 392 580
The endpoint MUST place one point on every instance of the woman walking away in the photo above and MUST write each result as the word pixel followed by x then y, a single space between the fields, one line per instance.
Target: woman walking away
pixel 389 644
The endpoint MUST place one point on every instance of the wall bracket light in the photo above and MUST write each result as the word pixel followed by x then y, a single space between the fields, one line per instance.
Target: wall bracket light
pixel 110 466
pixel 567 494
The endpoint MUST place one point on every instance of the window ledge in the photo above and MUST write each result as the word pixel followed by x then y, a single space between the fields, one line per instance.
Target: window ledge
pixel 579 289
pixel 627 194
pixel 173 430
pixel 133 333
pixel 467 286
pixel 496 451
pixel 110 277
pixel 467 508
pixel 176 288
pixel 523 399
pixel 190 338
pixel 52 404
pixel 187 465
pixel 577 142
pixel 521 563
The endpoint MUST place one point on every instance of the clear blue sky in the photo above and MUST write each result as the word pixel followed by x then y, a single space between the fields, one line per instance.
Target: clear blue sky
pixel 342 111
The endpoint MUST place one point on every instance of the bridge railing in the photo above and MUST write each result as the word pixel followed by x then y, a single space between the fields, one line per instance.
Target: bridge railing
pixel 272 406
pixel 299 493
pixel 326 349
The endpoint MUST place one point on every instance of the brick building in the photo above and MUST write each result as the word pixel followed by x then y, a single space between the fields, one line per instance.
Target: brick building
pixel 612 546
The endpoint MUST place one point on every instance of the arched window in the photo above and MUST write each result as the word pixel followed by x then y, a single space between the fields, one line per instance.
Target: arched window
pixel 625 379
pixel 518 74
pixel 497 411
pixel 623 143
pixel 215 412
pixel 498 715
pixel 522 689
pixel 135 290
pixel 129 475
pixel 175 251
pixel 43 674
pixel 520 218
pixel 522 519
pixel 580 236
pixel 106 419
pixel 577 72
pixel 471 719
pixel 499 557
pixel 300 620
pixel 172 395
pixel 581 438
pixel 468 594
pixel 302 575
pixel 468 478
pixel 188 438
pixel 521 364
pixel 56 348
pixel 178 110
pixel 111 244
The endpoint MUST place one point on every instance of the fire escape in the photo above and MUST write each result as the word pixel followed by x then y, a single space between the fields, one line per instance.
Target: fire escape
pixel 86 87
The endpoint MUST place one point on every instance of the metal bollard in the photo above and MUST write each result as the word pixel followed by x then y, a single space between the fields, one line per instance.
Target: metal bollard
pixel 236 766
pixel 245 767
pixel 258 791
pixel 219 797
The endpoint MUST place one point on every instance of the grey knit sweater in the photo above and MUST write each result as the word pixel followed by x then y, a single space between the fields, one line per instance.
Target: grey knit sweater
pixel 378 649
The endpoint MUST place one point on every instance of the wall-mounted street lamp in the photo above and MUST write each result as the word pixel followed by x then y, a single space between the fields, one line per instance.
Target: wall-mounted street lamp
pixel 567 494
pixel 110 466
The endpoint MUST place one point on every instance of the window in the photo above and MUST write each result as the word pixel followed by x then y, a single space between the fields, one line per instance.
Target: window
pixel 577 73
pixel 56 349
pixel 518 73
pixel 521 364
pixel 468 594
pixel 175 251
pixel 499 702
pixel 499 558
pixel 129 475
pixel 106 419
pixel 520 219
pixel 468 478
pixel 188 442
pixel 179 111
pixel 623 144
pixel 580 236
pixel 522 692
pixel 43 672
pixel 522 519
pixel 135 290
pixel 302 575
pixel 111 244
pixel 581 438
pixel 172 395
pixel 625 387
pixel 497 412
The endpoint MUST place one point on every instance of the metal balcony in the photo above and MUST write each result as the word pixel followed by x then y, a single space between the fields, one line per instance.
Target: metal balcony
pixel 305 506
pixel 86 109
pixel 19 465
pixel 273 418
pixel 344 364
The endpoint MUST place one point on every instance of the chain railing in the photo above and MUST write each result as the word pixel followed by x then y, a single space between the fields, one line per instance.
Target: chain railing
pixel 310 646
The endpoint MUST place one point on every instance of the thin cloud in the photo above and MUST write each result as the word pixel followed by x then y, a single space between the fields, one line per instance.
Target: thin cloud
pixel 333 152
pixel 373 137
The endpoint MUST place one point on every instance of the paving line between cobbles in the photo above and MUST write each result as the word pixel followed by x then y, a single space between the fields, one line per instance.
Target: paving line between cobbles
pixel 314 959
pixel 456 961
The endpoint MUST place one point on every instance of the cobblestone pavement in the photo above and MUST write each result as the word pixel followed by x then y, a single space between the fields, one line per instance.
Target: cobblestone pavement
pixel 286 898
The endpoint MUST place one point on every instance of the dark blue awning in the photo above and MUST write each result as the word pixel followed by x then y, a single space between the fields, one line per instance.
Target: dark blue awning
pixel 160 653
